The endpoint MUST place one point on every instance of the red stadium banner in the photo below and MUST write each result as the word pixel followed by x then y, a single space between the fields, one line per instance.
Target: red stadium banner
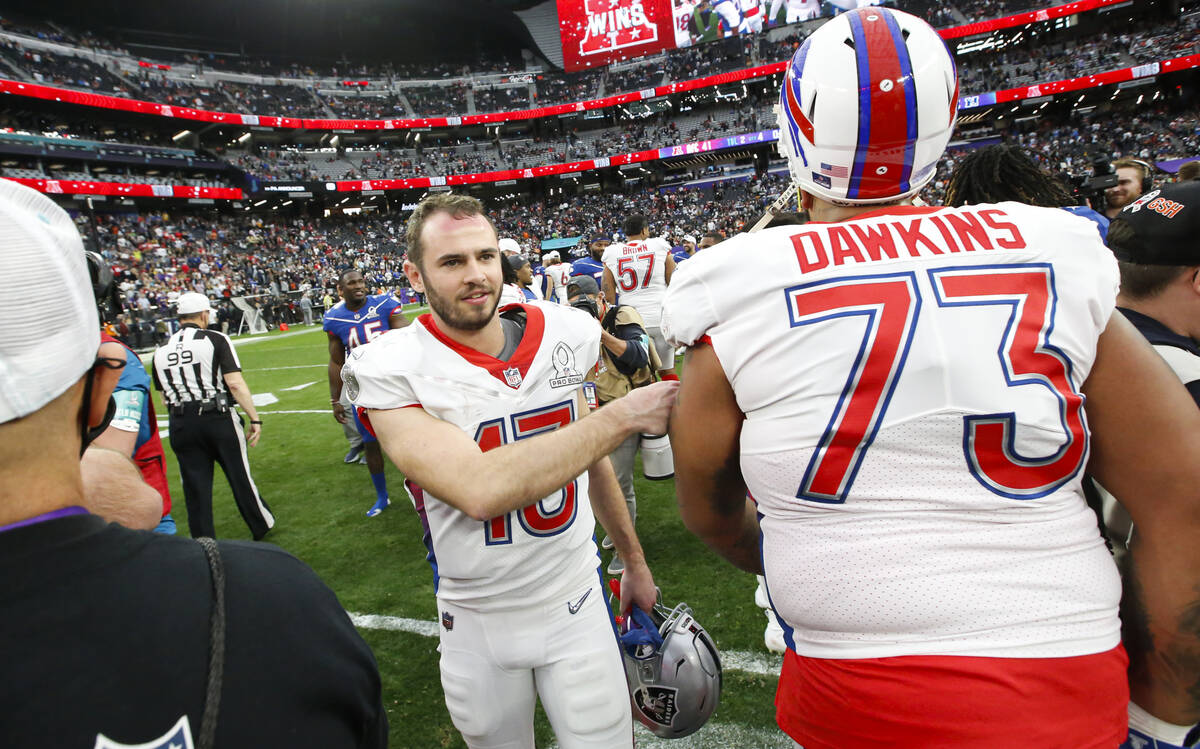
pixel 127 190
pixel 596 33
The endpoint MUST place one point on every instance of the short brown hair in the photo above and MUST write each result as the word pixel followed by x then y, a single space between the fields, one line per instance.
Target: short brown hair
pixel 1189 171
pixel 458 206
pixel 1128 163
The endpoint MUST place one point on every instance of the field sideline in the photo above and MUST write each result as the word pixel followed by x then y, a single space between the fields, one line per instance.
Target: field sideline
pixel 377 565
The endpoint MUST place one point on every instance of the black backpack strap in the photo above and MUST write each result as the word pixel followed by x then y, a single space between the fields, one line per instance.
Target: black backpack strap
pixel 216 645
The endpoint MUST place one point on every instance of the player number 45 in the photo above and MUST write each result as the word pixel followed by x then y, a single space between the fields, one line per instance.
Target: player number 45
pixel 890 305
pixel 537 519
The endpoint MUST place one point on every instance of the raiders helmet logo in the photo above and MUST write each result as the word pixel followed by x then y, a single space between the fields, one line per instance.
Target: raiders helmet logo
pixel 657 704
pixel 178 737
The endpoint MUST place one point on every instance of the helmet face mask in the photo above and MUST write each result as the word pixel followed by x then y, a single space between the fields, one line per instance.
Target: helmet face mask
pixel 867 106
pixel 679 700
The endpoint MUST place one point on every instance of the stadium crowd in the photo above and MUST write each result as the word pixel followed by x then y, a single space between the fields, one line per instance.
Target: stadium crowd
pixel 303 94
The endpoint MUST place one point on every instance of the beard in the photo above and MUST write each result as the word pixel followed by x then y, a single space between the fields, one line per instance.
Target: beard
pixel 460 315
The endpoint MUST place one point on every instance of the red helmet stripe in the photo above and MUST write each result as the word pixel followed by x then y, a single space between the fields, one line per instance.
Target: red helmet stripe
pixel 885 119
pixel 798 116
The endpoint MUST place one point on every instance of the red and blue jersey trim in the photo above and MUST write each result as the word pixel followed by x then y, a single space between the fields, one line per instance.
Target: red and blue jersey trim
pixel 887 112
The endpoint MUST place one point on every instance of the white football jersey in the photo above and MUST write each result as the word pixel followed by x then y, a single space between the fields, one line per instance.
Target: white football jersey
pixel 545 550
pixel 560 275
pixel 914 434
pixel 510 293
pixel 639 268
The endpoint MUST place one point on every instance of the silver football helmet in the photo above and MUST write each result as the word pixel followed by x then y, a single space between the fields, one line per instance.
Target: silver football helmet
pixel 673 670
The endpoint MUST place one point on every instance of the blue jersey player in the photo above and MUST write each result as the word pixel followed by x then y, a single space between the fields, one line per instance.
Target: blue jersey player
pixel 589 264
pixel 357 320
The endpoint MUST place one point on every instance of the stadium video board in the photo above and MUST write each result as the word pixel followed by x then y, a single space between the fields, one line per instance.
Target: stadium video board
pixel 596 33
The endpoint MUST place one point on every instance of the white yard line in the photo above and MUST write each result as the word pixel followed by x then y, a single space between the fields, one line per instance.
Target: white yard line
pixel 765 664
pixel 295 366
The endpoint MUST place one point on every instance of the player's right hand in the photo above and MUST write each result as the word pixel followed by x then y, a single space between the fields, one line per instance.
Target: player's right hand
pixel 649 407
pixel 339 413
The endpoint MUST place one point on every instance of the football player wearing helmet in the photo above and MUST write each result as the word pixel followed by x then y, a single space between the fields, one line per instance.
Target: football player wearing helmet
pixel 916 509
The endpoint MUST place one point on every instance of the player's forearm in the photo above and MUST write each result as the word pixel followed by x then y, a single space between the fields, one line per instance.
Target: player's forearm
pixel 733 536
pixel 113 488
pixel 1160 614
pixel 335 382
pixel 608 505
pixel 520 473
pixel 243 397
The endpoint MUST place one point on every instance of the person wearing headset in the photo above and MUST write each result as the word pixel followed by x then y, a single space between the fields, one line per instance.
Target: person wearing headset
pixel 1134 179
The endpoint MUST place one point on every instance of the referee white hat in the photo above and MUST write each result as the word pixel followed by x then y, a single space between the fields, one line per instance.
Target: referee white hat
pixel 191 303
pixel 44 348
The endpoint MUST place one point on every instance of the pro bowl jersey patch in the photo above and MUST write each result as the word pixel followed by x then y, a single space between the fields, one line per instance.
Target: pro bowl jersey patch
pixel 178 737
pixel 565 373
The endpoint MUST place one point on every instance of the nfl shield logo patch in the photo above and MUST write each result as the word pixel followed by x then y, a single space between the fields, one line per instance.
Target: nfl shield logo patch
pixel 447 620
pixel 179 737
pixel 512 376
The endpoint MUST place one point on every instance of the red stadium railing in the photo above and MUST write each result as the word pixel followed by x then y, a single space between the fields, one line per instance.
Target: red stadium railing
pixel 103 101
pixel 128 189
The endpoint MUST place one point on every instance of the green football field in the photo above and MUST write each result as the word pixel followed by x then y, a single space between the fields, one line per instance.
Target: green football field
pixel 377 565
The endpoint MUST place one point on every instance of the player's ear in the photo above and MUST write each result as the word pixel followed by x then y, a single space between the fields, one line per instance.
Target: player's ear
pixel 413 273
pixel 806 201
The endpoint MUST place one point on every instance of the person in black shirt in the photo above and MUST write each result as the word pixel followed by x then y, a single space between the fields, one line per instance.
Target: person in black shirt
pixel 114 637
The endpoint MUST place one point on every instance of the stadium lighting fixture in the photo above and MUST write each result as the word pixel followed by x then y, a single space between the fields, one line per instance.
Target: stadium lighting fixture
pixel 259 203
pixel 181 135
pixel 243 138
pixel 286 202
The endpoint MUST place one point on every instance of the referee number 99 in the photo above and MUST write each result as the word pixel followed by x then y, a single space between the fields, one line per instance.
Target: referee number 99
pixel 175 358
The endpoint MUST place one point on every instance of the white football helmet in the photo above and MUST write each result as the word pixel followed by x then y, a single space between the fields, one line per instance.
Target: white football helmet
pixel 867 107
pixel 673 670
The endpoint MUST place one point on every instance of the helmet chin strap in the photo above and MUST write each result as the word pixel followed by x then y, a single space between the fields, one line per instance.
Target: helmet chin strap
pixel 775 208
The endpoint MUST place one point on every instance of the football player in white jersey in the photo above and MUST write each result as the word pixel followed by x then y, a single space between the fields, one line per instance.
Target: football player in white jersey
pixel 901 390
pixel 484 412
pixel 559 273
pixel 797 10
pixel 637 271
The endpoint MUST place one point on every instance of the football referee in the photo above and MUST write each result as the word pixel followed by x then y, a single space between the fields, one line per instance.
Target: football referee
pixel 198 373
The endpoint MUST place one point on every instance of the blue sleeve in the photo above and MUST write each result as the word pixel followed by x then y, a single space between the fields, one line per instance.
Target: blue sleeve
pixel 133 376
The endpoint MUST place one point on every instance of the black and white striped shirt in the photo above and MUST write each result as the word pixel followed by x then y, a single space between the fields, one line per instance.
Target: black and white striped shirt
pixel 190 366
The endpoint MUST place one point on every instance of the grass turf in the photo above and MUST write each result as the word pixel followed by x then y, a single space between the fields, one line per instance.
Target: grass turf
pixel 377 565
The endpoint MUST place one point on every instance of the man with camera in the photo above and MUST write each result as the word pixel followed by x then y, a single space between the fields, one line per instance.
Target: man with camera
pixel 627 361
pixel 1134 178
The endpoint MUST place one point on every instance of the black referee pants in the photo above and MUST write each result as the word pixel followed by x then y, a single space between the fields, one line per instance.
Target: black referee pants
pixel 199 440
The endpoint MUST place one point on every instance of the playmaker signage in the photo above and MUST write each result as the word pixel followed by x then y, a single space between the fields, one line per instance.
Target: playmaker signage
pixel 595 33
